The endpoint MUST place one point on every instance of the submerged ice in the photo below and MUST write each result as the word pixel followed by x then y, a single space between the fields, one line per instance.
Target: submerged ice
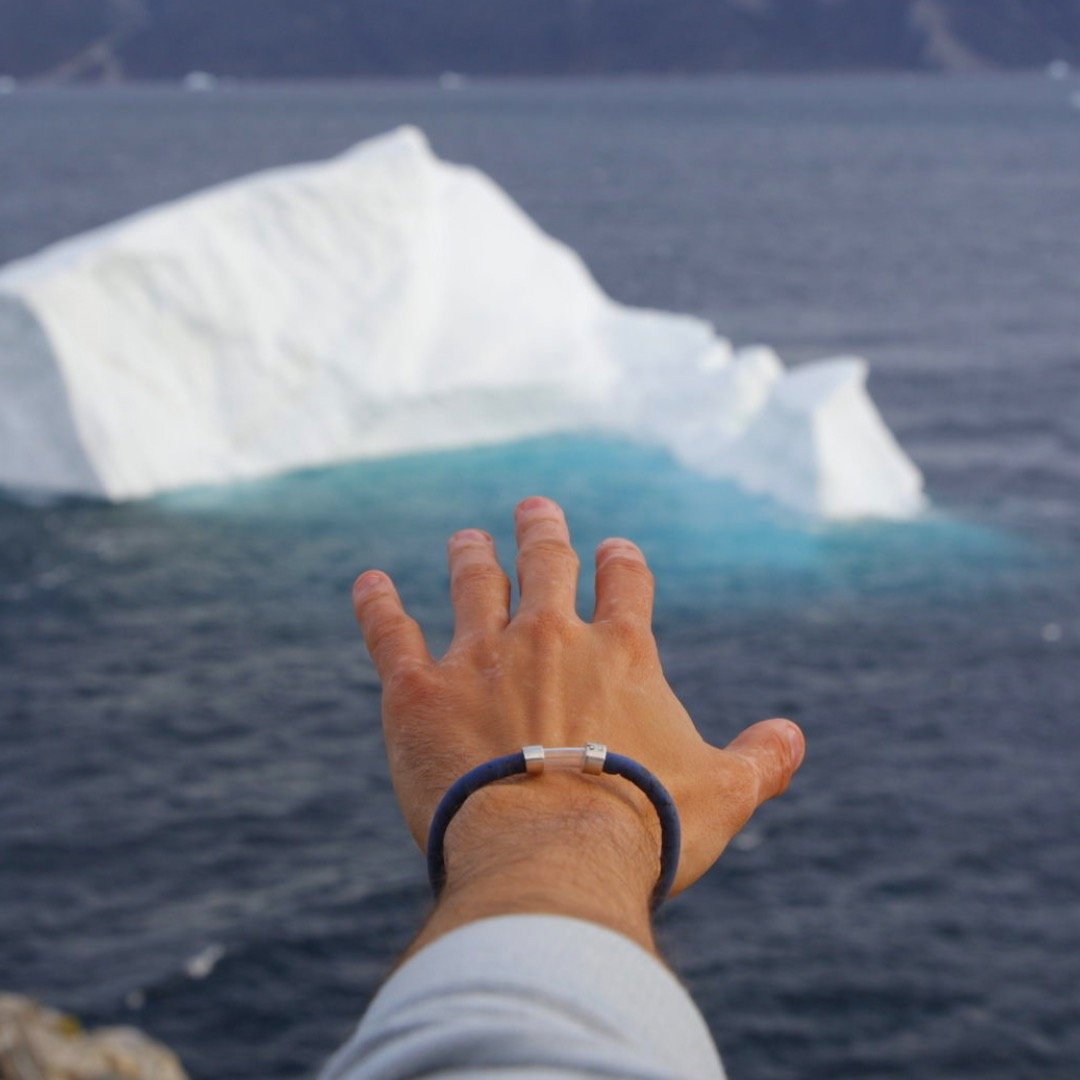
pixel 384 302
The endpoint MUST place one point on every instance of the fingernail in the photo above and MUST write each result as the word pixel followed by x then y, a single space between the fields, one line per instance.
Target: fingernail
pixel 534 503
pixel 797 744
pixel 470 536
pixel 368 582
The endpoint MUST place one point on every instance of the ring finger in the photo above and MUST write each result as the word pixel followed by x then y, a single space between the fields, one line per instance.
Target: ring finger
pixel 479 589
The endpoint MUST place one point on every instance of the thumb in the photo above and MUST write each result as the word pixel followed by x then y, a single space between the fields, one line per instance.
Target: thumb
pixel 775 749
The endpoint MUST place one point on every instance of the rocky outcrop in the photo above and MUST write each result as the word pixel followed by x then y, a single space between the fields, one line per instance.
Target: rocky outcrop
pixel 38 1043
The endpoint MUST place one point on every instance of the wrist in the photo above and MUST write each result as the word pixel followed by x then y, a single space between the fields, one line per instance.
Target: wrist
pixel 586 847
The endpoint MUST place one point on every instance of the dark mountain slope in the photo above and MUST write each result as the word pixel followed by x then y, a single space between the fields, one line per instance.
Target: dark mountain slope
pixel 147 39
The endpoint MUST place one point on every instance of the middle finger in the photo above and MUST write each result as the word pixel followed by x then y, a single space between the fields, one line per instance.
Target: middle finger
pixel 547 564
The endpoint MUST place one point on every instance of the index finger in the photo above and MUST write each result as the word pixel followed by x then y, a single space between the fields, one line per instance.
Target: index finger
pixel 393 638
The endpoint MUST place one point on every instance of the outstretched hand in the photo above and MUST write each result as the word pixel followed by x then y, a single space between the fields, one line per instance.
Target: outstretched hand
pixel 543 675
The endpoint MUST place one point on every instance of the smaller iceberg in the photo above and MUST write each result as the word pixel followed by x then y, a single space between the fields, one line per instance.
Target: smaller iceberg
pixel 199 82
pixel 380 303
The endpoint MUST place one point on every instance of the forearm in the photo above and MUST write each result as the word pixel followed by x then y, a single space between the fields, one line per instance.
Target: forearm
pixel 583 847
pixel 539 958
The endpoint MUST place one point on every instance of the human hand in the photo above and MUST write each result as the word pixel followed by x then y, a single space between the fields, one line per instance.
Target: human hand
pixel 544 676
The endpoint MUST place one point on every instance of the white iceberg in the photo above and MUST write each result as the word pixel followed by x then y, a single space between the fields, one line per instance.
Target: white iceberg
pixel 379 303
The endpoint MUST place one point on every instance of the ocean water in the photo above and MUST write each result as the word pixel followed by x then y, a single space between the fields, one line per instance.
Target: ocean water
pixel 197 831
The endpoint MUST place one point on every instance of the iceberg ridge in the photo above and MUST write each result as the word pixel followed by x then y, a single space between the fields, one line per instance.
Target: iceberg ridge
pixel 378 303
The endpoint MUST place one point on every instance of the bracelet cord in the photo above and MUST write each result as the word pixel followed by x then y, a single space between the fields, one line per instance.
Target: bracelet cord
pixel 501 768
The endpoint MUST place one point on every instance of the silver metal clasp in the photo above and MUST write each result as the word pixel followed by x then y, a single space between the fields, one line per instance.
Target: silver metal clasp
pixel 534 759
pixel 595 756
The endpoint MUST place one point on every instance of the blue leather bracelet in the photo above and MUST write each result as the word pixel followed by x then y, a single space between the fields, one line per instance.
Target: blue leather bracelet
pixel 592 758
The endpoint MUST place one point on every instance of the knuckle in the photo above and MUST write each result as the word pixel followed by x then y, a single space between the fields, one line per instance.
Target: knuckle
pixel 629 565
pixel 379 633
pixel 478 576
pixel 633 638
pixel 549 548
pixel 477 647
pixel 546 625
pixel 742 791
pixel 776 777
pixel 633 644
pixel 412 685
pixel 384 634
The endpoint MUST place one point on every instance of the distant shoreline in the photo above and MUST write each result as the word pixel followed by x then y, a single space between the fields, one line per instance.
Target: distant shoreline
pixel 225 82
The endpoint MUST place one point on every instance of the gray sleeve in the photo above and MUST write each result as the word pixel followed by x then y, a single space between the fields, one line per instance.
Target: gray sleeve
pixel 540 997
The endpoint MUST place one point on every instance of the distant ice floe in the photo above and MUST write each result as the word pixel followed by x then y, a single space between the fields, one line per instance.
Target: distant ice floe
pixel 452 80
pixel 202 964
pixel 1058 69
pixel 200 82
pixel 380 303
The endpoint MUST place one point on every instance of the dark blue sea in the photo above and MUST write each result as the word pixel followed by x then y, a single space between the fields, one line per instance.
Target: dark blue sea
pixel 190 758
